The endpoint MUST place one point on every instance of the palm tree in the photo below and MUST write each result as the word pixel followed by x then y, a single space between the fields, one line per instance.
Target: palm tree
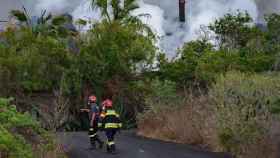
pixel 21 16
pixel 120 11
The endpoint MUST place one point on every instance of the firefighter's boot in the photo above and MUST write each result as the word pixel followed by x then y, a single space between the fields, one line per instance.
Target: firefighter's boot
pixel 100 144
pixel 93 145
pixel 109 150
pixel 113 149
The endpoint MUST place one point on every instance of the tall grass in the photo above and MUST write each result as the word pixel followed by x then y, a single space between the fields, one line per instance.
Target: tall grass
pixel 245 106
pixel 239 115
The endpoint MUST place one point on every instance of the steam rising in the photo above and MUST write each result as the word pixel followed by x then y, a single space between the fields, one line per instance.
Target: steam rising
pixel 199 12
pixel 164 15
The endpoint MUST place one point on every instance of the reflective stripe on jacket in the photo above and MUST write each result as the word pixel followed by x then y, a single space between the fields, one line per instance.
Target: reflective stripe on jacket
pixel 113 125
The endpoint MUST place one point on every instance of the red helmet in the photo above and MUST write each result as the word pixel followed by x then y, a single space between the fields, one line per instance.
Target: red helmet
pixel 108 103
pixel 92 98
pixel 104 103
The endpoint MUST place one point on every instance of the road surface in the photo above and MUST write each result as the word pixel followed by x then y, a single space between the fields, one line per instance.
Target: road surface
pixel 129 145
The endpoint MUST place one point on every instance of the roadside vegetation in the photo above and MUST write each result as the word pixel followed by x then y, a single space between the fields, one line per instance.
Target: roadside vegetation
pixel 22 136
pixel 220 92
pixel 226 96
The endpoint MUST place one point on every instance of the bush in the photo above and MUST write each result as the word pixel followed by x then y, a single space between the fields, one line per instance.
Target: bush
pixel 243 105
pixel 160 95
pixel 20 135
pixel 183 68
pixel 13 146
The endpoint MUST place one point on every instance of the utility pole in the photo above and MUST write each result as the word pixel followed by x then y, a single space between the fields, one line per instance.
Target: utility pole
pixel 182 8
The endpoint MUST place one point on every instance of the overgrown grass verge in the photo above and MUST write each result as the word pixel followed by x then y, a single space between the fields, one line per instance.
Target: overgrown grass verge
pixel 239 115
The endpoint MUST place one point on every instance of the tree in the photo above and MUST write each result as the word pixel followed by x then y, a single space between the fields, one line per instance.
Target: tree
pixel 26 58
pixel 273 33
pixel 272 44
pixel 233 31
pixel 115 51
pixel 120 9
pixel 182 69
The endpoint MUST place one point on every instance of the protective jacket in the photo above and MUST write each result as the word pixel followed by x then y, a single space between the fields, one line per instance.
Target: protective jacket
pixel 111 120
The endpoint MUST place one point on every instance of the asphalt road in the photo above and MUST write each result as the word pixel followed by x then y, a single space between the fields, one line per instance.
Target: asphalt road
pixel 129 145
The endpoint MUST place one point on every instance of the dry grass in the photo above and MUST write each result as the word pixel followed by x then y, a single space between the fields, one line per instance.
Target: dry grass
pixel 190 124
pixel 195 124
pixel 268 146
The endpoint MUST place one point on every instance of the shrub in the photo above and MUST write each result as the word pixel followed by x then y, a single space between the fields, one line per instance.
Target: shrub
pixel 161 95
pixel 243 105
pixel 13 146
pixel 20 135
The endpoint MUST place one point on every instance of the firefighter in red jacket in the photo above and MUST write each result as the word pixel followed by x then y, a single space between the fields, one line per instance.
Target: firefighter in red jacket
pixel 111 124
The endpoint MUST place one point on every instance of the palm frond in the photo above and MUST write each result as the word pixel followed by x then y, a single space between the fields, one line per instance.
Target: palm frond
pixel 19 15
pixel 81 22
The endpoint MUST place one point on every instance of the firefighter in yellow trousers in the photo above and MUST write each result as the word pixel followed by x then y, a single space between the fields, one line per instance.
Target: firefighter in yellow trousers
pixel 111 124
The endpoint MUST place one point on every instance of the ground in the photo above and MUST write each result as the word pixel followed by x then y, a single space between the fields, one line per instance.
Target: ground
pixel 131 146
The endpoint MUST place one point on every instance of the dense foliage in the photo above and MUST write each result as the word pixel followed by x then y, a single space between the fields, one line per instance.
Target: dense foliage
pixel 48 56
pixel 113 53
pixel 30 62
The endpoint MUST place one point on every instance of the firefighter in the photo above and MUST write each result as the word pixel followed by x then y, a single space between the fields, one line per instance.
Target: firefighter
pixel 94 113
pixel 111 124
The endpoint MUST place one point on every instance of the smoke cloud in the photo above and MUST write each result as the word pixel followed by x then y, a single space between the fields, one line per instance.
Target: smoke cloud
pixel 54 6
pixel 199 12
pixel 163 17
pixel 267 7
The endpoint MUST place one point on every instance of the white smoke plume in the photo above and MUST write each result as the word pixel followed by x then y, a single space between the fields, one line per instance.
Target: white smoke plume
pixel 267 7
pixel 164 15
pixel 199 12
pixel 54 6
